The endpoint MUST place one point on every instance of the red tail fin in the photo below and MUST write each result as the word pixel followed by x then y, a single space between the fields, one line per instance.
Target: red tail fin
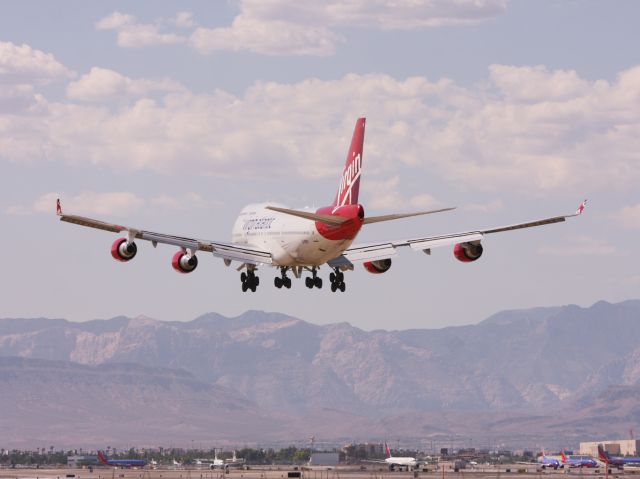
pixel 102 458
pixel 563 455
pixel 350 181
pixel 604 456
pixel 387 451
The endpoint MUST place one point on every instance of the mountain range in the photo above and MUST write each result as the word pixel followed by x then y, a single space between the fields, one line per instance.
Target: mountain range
pixel 546 374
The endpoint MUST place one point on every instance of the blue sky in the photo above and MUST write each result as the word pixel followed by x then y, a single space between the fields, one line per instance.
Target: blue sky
pixel 172 116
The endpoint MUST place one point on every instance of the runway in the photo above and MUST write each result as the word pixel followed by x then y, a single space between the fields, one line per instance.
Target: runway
pixel 505 471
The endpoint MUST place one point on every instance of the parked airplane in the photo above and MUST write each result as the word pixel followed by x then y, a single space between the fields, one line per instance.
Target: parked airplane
pixel 617 461
pixel 578 461
pixel 303 240
pixel 121 462
pixel 234 461
pixel 211 463
pixel 545 461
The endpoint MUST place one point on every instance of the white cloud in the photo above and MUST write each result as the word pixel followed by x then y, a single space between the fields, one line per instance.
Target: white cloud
pixel 270 38
pixel 131 34
pixel 494 205
pixel 114 21
pixel 116 203
pixel 282 27
pixel 101 84
pixel 478 137
pixel 629 216
pixel 580 246
pixel 387 197
pixel 184 20
pixel 23 64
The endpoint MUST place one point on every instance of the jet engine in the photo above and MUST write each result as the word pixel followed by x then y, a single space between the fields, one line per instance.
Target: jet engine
pixel 379 266
pixel 467 252
pixel 122 250
pixel 184 263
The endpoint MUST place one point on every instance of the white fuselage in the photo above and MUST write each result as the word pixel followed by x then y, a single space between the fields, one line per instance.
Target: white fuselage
pixel 401 461
pixel 292 241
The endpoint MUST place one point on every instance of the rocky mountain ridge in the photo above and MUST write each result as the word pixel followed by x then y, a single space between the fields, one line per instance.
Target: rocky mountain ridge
pixel 538 363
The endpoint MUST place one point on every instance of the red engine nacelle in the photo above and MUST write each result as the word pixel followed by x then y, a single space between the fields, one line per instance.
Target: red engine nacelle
pixel 378 267
pixel 467 252
pixel 122 250
pixel 183 263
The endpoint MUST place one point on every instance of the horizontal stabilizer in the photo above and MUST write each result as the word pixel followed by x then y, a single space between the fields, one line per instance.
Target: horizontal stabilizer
pixel 397 216
pixel 327 219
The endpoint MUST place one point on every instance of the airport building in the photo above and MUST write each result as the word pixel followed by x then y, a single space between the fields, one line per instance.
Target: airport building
pixel 79 461
pixel 324 459
pixel 620 447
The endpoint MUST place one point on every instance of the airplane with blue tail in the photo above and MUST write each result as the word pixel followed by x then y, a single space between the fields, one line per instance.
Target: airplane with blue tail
pixel 121 462
pixel 580 461
pixel 545 462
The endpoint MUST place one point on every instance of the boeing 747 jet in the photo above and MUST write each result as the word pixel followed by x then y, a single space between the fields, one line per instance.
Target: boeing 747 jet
pixel 302 240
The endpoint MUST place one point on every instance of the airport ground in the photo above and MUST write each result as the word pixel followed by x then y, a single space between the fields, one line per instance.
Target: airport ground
pixel 504 471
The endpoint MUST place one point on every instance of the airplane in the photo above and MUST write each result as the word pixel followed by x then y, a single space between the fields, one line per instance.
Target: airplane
pixel 579 461
pixel 234 461
pixel 212 463
pixel 396 461
pixel 545 461
pixel 299 240
pixel 176 463
pixel 617 461
pixel 121 462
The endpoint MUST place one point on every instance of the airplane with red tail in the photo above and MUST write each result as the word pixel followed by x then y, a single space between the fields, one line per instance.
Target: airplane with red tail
pixel 302 240
pixel 616 461
pixel 120 462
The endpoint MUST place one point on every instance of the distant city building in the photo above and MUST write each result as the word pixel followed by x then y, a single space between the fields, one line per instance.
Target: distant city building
pixel 324 459
pixel 620 447
pixel 79 461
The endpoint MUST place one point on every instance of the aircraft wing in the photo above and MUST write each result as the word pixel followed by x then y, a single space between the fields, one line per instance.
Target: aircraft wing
pixel 388 249
pixel 227 251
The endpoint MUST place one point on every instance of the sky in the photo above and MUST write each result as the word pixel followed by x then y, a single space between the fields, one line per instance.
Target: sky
pixel 171 116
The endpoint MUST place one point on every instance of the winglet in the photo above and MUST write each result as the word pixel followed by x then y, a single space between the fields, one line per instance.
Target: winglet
pixel 58 208
pixel 581 208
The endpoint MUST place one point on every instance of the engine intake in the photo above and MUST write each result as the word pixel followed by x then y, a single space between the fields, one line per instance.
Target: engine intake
pixel 379 266
pixel 122 250
pixel 183 263
pixel 467 252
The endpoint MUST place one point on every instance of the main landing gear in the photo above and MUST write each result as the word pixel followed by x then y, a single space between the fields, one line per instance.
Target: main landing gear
pixel 249 280
pixel 283 279
pixel 337 281
pixel 313 281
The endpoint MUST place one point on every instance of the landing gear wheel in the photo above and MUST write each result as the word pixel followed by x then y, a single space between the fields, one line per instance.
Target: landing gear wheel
pixel 277 281
pixel 308 282
pixel 337 280
pixel 249 280
pixel 287 283
pixel 317 282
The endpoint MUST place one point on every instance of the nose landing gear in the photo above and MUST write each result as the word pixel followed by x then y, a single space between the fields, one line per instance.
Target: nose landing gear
pixel 337 280
pixel 249 280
